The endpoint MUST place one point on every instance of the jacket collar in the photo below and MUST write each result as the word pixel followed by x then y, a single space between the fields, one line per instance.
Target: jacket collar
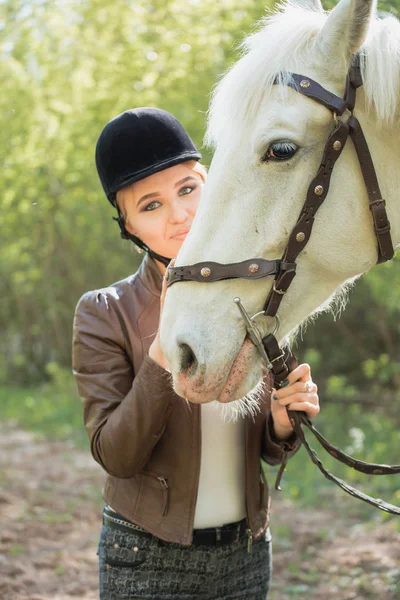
pixel 150 275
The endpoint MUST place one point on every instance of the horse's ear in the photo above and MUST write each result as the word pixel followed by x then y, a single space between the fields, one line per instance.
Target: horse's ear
pixel 314 5
pixel 345 30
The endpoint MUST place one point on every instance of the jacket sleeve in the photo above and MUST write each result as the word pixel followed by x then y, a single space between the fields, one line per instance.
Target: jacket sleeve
pixel 273 449
pixel 124 414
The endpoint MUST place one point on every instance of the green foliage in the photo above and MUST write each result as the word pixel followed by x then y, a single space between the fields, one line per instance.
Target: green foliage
pixel 52 408
pixel 66 68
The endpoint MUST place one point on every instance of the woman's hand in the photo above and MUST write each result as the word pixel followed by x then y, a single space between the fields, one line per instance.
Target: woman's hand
pixel 155 351
pixel 300 393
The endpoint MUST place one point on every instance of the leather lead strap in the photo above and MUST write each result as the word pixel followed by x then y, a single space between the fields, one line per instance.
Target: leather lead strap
pixel 376 502
pixel 281 367
pixel 350 461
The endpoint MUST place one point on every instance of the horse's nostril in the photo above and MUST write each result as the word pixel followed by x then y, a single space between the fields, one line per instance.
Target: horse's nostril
pixel 188 358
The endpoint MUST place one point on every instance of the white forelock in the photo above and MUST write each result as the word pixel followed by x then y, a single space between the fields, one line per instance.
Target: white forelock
pixel 284 37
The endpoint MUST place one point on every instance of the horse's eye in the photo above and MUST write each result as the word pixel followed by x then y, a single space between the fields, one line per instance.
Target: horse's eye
pixel 280 151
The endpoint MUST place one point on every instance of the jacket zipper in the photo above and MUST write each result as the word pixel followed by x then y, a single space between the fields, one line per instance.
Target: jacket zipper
pixel 165 488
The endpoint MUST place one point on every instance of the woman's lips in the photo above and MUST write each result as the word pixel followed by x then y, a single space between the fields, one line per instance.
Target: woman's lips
pixel 180 236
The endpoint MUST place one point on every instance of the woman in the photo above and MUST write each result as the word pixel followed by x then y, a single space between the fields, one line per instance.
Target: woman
pixel 186 512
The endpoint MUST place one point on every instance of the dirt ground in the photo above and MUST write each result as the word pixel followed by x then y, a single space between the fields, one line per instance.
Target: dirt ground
pixel 50 515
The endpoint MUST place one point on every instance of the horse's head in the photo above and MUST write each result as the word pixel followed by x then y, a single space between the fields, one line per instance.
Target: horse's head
pixel 269 143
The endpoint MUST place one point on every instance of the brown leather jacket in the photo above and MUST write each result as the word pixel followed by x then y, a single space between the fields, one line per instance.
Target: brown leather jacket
pixel 144 436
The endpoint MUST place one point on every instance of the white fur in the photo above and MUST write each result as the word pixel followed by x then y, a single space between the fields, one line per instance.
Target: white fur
pixel 249 207
pixel 240 92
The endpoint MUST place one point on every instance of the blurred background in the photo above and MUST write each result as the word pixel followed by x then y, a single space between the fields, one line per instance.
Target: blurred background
pixel 66 68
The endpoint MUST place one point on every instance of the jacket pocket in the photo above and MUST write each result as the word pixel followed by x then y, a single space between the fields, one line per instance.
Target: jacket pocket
pixel 153 495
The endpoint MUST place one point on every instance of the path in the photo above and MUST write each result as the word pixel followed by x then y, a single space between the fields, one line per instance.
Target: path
pixel 50 507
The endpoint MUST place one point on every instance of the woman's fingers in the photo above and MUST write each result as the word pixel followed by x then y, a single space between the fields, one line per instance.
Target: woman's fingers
pixel 300 373
pixel 298 399
pixel 299 387
pixel 299 392
pixel 311 409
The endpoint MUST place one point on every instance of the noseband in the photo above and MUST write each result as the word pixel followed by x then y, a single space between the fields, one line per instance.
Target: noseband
pixel 282 362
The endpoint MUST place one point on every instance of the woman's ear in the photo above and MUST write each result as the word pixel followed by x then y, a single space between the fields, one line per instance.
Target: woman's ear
pixel 344 32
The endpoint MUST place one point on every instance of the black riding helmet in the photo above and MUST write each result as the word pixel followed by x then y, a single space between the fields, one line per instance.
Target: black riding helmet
pixel 135 144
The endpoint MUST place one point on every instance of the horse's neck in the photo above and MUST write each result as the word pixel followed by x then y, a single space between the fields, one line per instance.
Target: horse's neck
pixel 384 143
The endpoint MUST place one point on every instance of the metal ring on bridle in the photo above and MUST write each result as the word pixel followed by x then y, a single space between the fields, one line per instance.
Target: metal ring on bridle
pixel 277 321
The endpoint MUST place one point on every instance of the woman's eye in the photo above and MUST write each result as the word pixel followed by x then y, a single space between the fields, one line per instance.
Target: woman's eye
pixel 280 151
pixel 152 205
pixel 186 190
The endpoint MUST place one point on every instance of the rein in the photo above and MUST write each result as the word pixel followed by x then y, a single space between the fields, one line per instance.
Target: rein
pixel 282 362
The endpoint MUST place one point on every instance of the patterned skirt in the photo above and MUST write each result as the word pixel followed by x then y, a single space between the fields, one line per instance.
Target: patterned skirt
pixel 132 566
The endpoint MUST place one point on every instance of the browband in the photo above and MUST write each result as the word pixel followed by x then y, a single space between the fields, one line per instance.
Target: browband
pixel 206 272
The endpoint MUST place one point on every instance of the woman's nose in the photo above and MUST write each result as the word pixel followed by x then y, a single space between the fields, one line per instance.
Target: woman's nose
pixel 178 213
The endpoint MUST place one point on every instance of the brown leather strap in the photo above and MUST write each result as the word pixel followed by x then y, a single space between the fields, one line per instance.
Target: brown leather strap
pixel 376 204
pixel 282 366
pixel 278 358
pixel 207 272
pixel 350 461
pixel 376 502
pixel 320 185
pixel 354 80
pixel 301 233
pixel 310 88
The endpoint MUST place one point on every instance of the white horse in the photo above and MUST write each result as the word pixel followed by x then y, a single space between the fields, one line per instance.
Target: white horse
pixel 252 201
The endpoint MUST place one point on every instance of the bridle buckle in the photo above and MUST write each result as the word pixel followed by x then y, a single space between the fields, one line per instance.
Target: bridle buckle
pixel 278 358
pixel 280 292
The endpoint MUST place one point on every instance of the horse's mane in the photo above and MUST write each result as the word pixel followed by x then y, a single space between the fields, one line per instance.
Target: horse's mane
pixel 279 44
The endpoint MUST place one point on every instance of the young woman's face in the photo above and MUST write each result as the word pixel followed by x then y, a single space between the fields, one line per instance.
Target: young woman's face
pixel 160 208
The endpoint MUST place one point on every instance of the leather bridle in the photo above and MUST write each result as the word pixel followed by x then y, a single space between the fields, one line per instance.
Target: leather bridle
pixel 282 362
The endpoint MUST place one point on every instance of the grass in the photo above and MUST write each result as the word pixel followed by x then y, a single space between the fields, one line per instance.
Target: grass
pixel 55 410
pixel 16 550
pixel 369 436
